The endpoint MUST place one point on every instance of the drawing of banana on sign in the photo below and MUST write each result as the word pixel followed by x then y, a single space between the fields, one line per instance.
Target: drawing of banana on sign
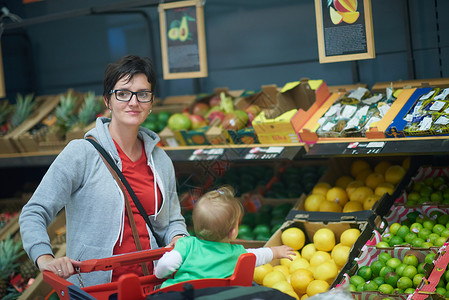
pixel 343 11
pixel 179 30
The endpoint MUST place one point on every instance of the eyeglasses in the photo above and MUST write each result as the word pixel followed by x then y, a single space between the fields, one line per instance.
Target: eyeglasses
pixel 125 96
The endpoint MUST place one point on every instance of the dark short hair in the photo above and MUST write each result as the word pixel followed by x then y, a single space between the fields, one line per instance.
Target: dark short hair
pixel 128 65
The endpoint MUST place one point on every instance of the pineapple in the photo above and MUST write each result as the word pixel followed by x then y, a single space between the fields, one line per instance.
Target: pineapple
pixel 64 115
pixel 28 270
pixel 10 252
pixel 5 110
pixel 23 108
pixel 88 112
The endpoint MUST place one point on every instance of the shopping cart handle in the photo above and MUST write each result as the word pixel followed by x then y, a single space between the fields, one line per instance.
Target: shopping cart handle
pixel 109 263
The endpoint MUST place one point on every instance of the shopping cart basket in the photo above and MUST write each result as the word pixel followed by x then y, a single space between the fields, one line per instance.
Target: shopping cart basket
pixel 133 287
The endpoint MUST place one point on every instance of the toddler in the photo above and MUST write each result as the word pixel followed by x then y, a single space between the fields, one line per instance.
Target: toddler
pixel 216 217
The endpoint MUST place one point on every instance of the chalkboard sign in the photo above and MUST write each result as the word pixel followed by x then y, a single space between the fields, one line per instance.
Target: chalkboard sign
pixel 183 39
pixel 344 30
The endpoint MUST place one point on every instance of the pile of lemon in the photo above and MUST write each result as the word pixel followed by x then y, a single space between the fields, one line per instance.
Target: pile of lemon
pixel 315 265
pixel 358 191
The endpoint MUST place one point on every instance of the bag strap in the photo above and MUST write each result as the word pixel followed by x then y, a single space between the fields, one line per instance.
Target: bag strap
pixel 107 158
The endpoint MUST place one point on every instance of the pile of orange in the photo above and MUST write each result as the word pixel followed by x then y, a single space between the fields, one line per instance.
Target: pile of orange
pixel 359 190
pixel 315 265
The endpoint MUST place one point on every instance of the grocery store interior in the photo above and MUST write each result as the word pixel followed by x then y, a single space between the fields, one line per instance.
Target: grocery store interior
pixel 337 150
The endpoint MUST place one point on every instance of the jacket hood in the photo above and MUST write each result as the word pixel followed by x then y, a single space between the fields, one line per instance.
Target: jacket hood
pixel 102 135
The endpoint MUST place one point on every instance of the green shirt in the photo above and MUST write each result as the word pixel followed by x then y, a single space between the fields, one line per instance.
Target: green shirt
pixel 205 259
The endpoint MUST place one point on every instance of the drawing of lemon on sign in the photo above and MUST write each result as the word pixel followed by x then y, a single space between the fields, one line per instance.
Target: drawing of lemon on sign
pixel 343 11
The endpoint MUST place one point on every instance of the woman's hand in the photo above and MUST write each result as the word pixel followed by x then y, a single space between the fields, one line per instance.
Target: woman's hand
pixel 63 267
pixel 174 240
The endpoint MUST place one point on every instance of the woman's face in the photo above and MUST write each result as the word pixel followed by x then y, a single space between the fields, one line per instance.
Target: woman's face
pixel 131 113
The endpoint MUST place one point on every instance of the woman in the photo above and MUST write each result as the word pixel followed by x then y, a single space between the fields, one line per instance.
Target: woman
pixel 79 180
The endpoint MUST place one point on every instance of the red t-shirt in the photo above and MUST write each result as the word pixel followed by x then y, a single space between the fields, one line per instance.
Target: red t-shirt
pixel 141 179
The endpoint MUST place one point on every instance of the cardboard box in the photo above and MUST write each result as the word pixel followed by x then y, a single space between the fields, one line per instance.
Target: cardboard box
pixel 346 87
pixel 44 105
pixel 396 127
pixel 338 226
pixel 265 98
pixel 277 130
pixel 377 129
pixel 307 133
pixel 171 138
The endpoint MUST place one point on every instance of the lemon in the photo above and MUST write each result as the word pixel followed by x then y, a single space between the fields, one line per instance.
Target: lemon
pixel 284 269
pixel 340 254
pixel 271 278
pixel 358 166
pixel 304 297
pixel 382 167
pixel 313 201
pixel 324 239
pixel 363 175
pixel 293 237
pixel 349 236
pixel 385 187
pixel 316 287
pixel 406 163
pixel 394 174
pixel 370 201
pixel 300 279
pixel 321 188
pixel 343 181
pixel 329 206
pixel 352 186
pixel 319 257
pixel 292 293
pixel 337 195
pixel 360 194
pixel 261 271
pixel 282 286
pixel 374 179
pixel 287 262
pixel 308 250
pixel 326 271
pixel 301 263
pixel 352 206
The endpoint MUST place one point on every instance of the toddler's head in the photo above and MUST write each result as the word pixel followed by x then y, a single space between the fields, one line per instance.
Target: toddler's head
pixel 216 214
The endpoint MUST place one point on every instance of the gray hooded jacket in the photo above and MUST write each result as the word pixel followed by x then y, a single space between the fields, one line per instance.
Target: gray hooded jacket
pixel 79 180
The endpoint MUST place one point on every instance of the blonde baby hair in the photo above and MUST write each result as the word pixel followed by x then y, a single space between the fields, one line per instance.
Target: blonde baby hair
pixel 216 213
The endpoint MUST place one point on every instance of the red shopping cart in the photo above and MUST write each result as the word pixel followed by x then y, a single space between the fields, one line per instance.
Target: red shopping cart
pixel 133 287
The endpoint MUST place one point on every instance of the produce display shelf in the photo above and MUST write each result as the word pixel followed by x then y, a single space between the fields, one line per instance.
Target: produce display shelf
pixel 380 147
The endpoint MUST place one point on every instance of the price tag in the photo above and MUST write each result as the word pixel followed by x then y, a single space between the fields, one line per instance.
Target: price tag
pixel 264 153
pixel 207 154
pixel 364 148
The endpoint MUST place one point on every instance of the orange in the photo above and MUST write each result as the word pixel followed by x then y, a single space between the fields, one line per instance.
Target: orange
pixel 374 179
pixel 313 201
pixel 337 195
pixel 352 186
pixel 293 237
pixel 343 181
pixel 317 287
pixel 383 188
pixel 271 278
pixel 360 194
pixel 300 280
pixel 394 174
pixel 382 167
pixel 352 206
pixel 370 201
pixel 324 239
pixel 349 236
pixel 261 271
pixel 321 188
pixel 319 257
pixel 359 165
pixel 330 206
